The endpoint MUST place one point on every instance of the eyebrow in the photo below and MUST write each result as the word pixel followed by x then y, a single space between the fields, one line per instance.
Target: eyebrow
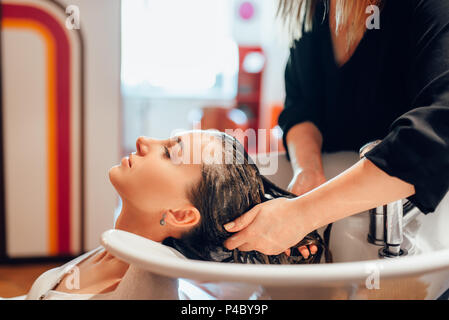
pixel 180 143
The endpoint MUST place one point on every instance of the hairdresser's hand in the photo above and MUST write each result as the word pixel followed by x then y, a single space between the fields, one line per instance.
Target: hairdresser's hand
pixel 271 227
pixel 305 180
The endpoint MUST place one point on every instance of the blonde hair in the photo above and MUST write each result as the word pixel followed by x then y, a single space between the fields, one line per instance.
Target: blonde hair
pixel 297 16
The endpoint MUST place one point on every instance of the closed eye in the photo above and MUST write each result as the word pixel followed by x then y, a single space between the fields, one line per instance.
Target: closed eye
pixel 171 142
pixel 166 152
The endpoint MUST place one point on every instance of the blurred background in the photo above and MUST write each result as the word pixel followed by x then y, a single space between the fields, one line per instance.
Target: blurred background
pixel 81 80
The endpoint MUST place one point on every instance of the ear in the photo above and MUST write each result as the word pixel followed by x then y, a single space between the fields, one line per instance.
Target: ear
pixel 186 217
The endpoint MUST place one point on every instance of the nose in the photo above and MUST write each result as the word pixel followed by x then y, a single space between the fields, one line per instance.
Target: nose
pixel 142 145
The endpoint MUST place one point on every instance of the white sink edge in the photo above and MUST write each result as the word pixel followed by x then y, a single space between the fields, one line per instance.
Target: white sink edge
pixel 118 243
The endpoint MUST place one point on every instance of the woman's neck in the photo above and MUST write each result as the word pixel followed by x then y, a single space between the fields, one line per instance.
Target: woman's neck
pixel 144 224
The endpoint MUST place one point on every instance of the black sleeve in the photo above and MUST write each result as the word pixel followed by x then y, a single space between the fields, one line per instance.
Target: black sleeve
pixel 296 109
pixel 416 149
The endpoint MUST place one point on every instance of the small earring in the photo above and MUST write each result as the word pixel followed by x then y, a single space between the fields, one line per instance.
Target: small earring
pixel 162 222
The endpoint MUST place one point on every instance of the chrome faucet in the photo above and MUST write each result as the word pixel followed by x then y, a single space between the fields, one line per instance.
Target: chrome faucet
pixel 387 222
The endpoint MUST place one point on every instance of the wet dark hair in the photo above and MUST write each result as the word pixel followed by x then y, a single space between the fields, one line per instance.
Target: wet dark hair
pixel 225 192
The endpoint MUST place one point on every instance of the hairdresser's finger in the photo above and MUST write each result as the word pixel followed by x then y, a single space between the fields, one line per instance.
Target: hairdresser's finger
pixel 246 247
pixel 304 251
pixel 287 252
pixel 313 249
pixel 243 221
pixel 235 241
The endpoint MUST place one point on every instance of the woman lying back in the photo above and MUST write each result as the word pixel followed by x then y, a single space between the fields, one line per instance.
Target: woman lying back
pixel 180 192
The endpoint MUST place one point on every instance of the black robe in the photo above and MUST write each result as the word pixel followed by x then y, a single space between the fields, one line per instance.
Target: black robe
pixel 394 88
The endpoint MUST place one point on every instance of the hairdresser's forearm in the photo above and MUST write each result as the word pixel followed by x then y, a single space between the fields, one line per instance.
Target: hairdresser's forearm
pixel 304 143
pixel 359 188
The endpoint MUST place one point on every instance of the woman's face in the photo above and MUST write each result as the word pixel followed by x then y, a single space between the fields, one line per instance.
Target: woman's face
pixel 154 181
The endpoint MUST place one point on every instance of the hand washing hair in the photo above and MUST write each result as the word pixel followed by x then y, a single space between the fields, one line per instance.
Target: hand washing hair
pixel 225 192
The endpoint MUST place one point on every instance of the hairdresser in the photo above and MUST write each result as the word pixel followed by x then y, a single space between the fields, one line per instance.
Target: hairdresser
pixel 358 71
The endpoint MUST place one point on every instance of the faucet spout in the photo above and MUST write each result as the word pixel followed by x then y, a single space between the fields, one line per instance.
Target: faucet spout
pixel 393 228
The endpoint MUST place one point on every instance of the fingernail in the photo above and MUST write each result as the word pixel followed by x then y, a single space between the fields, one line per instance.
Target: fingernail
pixel 229 226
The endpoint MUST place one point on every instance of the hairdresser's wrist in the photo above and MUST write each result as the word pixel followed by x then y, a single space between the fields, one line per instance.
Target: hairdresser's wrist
pixel 314 168
pixel 303 216
pixel 304 142
pixel 310 162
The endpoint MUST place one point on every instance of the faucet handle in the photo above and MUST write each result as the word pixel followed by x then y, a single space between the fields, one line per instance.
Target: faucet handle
pixel 368 147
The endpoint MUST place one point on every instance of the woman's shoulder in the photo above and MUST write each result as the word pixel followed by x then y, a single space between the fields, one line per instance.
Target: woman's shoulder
pixel 427 13
pixel 432 5
pixel 47 280
pixel 427 25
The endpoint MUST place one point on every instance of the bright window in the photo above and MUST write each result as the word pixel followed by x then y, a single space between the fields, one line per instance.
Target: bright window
pixel 178 49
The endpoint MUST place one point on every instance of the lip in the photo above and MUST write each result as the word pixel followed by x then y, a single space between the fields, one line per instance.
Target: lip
pixel 130 160
pixel 125 162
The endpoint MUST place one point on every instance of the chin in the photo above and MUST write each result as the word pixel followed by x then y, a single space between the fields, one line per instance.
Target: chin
pixel 114 177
